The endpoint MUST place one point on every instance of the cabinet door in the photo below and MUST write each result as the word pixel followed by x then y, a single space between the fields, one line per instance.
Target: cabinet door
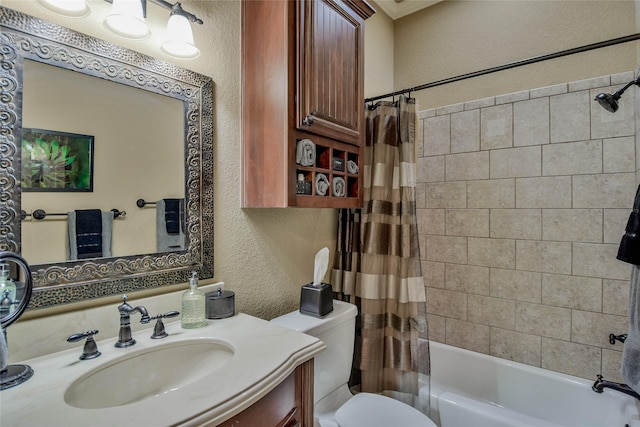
pixel 289 404
pixel 279 408
pixel 330 70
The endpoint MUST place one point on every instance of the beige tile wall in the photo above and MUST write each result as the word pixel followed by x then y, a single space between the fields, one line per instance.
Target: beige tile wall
pixel 522 201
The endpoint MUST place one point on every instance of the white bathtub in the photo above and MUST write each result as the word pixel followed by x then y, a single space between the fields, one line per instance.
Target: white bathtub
pixel 470 389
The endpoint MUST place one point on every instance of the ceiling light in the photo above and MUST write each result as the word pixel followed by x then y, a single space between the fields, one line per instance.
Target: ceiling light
pixel 127 19
pixel 72 8
pixel 179 36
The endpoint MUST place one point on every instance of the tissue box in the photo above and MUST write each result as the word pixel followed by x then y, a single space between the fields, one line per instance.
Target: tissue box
pixel 316 301
pixel 220 304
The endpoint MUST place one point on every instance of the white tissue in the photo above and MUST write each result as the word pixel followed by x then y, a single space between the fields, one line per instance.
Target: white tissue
pixel 320 266
pixel 4 352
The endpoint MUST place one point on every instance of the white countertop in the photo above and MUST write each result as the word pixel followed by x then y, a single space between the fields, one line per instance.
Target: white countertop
pixel 264 355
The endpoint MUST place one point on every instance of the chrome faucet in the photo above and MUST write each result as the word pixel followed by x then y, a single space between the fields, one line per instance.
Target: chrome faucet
pixel 125 309
pixel 601 384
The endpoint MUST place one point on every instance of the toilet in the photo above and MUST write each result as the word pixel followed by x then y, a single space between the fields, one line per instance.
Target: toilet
pixel 334 405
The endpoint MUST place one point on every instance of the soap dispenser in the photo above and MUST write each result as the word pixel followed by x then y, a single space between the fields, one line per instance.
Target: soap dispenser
pixel 193 305
pixel 7 287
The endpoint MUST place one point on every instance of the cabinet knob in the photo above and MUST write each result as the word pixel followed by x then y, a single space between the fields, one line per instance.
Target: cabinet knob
pixel 308 121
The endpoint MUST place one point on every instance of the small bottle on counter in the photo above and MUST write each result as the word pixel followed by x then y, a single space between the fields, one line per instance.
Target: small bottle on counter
pixel 193 305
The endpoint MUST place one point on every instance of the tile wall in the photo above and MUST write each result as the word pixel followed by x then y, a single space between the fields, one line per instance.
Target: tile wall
pixel 522 201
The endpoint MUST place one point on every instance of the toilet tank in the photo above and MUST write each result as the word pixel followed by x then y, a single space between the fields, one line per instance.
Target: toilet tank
pixel 332 367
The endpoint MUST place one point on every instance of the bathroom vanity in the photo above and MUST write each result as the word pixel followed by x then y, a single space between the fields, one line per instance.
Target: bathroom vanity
pixel 290 404
pixel 239 369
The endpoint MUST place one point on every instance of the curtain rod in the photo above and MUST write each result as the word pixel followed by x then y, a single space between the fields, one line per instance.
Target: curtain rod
pixel 515 64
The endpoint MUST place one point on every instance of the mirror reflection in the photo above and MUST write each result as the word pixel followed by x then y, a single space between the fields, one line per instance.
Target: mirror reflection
pixel 138 152
pixel 144 129
pixel 15 287
pixel 10 291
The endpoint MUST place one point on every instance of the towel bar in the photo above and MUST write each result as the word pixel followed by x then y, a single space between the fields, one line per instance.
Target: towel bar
pixel 40 214
pixel 141 203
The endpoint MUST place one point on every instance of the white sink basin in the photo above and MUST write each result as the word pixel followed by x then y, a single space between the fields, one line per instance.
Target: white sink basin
pixel 191 378
pixel 147 374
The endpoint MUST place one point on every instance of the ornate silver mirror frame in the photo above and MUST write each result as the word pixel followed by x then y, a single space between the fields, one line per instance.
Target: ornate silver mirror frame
pixel 26 37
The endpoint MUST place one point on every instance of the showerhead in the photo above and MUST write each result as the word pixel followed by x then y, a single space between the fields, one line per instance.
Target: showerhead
pixel 610 101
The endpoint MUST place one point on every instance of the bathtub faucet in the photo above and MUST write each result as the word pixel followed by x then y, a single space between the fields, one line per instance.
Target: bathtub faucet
pixel 601 384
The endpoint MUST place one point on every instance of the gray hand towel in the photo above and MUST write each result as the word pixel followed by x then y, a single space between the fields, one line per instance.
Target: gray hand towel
pixel 631 350
pixel 338 186
pixel 305 152
pixel 352 167
pixel 322 184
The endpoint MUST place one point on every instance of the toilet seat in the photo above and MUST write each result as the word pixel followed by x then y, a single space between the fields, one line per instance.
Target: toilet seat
pixel 374 410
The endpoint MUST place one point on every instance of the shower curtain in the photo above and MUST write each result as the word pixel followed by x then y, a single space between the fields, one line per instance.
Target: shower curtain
pixel 377 263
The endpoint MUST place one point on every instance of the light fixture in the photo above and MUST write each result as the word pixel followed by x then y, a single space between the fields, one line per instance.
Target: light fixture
pixel 179 36
pixel 127 19
pixel 72 8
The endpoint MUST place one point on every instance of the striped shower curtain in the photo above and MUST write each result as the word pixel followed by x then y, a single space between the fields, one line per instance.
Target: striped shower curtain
pixel 377 263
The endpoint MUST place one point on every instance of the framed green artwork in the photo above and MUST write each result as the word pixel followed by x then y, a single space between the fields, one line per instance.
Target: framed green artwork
pixel 56 161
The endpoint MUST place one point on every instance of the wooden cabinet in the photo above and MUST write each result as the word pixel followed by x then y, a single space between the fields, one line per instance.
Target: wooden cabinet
pixel 330 51
pixel 289 404
pixel 302 79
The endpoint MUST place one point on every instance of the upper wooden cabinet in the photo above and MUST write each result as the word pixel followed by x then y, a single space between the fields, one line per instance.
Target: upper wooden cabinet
pixel 330 70
pixel 302 78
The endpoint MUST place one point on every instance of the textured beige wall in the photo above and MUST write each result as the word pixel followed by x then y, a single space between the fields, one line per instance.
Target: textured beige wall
pixel 262 255
pixel 456 37
pixel 378 54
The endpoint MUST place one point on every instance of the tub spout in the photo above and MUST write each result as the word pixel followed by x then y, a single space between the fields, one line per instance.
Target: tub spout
pixel 601 384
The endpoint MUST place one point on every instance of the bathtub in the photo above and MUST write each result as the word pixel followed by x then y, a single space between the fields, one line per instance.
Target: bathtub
pixel 470 389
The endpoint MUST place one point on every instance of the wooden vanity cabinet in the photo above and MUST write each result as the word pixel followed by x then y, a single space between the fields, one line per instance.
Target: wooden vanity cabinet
pixel 302 78
pixel 289 404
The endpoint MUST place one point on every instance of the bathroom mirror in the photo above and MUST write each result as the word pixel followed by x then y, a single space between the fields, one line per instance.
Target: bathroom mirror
pixel 28 40
pixel 120 151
